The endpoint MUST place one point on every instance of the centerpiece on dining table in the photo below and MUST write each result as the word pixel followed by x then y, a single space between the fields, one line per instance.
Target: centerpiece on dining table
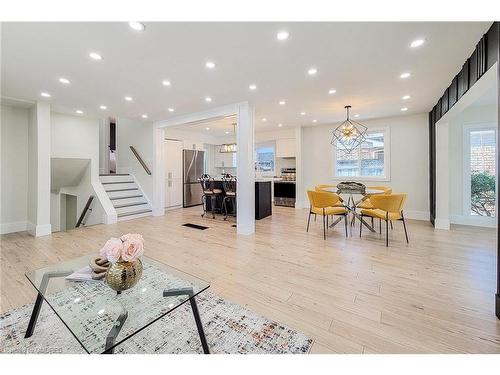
pixel 123 253
pixel 351 187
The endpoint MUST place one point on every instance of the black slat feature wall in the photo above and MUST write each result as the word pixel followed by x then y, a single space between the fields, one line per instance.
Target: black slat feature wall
pixel 485 55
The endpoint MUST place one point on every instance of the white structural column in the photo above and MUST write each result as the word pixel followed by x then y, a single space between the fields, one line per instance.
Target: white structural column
pixel 158 199
pixel 245 189
pixel 442 220
pixel 39 170
pixel 299 180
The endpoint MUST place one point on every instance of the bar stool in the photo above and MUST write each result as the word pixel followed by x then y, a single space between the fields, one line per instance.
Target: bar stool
pixel 208 187
pixel 229 184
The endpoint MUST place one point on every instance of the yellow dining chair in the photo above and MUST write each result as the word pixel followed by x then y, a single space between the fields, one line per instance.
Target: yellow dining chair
pixel 366 204
pixel 327 188
pixel 387 208
pixel 324 204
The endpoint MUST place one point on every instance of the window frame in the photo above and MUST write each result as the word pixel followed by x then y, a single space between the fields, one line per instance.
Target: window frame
pixel 387 159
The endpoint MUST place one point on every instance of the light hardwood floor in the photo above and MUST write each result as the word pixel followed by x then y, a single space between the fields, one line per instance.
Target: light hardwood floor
pixel 353 295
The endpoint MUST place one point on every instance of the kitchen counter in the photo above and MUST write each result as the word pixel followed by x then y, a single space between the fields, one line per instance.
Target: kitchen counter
pixel 263 199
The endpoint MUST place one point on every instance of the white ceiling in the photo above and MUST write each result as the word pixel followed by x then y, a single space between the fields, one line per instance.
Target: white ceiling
pixel 362 61
pixel 217 127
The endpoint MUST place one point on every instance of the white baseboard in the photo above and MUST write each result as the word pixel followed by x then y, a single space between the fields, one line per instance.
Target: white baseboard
pixel 18 226
pixel 476 221
pixel 442 224
pixel 172 208
pixel 39 230
pixel 417 215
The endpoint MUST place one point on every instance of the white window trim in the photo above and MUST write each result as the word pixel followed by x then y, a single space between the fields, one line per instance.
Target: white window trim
pixel 387 160
pixel 486 221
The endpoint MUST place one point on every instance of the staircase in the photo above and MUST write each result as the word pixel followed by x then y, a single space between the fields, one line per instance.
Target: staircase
pixel 126 196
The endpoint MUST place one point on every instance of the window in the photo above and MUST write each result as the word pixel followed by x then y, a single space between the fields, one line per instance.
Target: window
pixel 480 171
pixel 264 158
pixel 370 160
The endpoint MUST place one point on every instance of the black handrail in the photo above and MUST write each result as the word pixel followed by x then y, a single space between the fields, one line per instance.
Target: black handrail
pixel 84 212
pixel 134 151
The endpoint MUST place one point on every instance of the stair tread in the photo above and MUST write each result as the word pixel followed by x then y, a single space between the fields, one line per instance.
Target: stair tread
pixel 117 182
pixel 134 212
pixel 131 196
pixel 130 204
pixel 114 190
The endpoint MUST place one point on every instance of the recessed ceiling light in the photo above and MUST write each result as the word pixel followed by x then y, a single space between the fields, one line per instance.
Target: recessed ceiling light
pixel 302 113
pixel 208 99
pixel 227 132
pixel 64 80
pixel 406 97
pixel 144 116
pixel 171 109
pixel 207 128
pixel 95 56
pixel 128 98
pixel 404 109
pixel 137 26
pixel 166 83
pixel 45 94
pixel 405 75
pixel 252 87
pixel 332 91
pixel 282 102
pixel 103 107
pixel 315 121
pixel 417 43
pixel 312 71
pixel 280 125
pixel 210 64
pixel 80 112
pixel 356 115
pixel 282 35
pixel 264 119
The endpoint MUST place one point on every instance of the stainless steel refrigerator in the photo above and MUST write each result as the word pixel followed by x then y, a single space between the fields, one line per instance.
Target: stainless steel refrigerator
pixel 193 168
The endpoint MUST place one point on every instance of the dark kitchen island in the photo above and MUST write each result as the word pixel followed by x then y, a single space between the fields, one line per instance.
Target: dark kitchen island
pixel 263 204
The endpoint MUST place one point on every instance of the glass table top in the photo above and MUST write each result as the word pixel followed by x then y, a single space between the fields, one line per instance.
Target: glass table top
pixel 366 192
pixel 91 310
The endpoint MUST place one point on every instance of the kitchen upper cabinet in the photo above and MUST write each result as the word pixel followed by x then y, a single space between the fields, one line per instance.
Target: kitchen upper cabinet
pixel 224 159
pixel 285 148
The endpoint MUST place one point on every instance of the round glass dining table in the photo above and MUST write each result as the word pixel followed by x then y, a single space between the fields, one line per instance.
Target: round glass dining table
pixel 352 204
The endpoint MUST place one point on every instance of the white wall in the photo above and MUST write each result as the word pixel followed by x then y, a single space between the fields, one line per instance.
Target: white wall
pixel 474 115
pixel 78 137
pixel 140 135
pixel 14 168
pixel 409 161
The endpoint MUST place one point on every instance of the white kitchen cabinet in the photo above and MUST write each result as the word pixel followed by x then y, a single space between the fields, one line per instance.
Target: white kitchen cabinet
pixel 224 159
pixel 173 173
pixel 285 148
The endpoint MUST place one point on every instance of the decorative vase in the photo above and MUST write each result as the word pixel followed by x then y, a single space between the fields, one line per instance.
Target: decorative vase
pixel 124 275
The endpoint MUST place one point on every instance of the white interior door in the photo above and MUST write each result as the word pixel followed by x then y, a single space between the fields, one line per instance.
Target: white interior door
pixel 173 173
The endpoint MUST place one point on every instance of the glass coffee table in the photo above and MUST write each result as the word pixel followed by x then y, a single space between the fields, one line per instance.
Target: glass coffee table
pixel 101 319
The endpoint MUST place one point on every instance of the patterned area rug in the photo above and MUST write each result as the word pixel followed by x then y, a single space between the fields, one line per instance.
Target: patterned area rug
pixel 229 328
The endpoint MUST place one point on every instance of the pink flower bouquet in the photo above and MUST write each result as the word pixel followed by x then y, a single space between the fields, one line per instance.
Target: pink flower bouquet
pixel 127 248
